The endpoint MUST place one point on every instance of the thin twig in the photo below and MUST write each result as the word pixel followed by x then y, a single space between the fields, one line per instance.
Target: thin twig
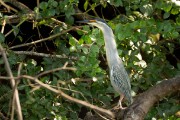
pixel 3 25
pixel 56 69
pixel 16 26
pixel 8 7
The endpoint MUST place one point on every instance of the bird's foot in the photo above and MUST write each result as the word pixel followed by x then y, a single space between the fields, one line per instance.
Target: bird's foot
pixel 118 107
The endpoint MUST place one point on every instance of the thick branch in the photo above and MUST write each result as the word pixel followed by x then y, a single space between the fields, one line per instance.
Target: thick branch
pixel 146 100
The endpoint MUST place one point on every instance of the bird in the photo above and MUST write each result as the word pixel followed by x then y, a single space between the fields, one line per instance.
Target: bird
pixel 118 75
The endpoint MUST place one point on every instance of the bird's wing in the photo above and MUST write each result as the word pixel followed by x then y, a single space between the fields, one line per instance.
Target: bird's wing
pixel 120 80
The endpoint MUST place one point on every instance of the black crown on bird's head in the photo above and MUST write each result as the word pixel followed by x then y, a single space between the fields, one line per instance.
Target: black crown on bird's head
pixel 92 20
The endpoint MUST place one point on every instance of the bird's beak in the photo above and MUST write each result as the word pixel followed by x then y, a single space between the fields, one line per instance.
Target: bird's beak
pixel 83 21
pixel 86 21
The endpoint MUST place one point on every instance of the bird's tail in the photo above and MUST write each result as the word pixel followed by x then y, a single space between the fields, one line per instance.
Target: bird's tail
pixel 129 99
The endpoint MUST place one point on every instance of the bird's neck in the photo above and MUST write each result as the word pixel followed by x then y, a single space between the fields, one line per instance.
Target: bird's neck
pixel 110 45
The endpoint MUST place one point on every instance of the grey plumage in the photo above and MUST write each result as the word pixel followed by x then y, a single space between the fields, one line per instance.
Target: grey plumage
pixel 120 81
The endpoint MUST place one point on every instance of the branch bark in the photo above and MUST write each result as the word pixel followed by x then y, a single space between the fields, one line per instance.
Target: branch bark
pixel 144 101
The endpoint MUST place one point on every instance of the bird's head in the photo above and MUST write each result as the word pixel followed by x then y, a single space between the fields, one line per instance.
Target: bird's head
pixel 100 23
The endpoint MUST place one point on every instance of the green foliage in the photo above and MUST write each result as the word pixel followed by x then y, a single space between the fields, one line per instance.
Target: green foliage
pixel 161 111
pixel 146 34
pixel 5 95
pixel 53 8
pixel 2 38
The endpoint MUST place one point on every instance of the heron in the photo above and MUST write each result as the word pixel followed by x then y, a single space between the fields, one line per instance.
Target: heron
pixel 118 75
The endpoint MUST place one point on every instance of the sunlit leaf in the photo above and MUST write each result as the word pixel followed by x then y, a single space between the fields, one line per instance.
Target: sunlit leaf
pixel 86 5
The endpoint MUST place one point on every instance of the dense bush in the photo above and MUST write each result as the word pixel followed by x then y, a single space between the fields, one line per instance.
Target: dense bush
pixel 148 41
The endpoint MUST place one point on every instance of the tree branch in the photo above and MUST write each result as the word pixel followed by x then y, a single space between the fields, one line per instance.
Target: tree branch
pixel 146 100
pixel 45 55
pixel 19 5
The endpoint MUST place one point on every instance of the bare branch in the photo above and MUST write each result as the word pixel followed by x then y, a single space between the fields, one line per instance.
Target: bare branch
pixel 54 70
pixel 44 55
pixel 8 7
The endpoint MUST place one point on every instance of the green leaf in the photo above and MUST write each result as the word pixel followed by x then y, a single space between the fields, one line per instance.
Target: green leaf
pixel 52 3
pixel 81 41
pixel 174 11
pixel 69 20
pixel 20 38
pixel 143 37
pixel 85 50
pixel 69 12
pixel 121 37
pixel 147 9
pixel 87 39
pixel 82 58
pixel 50 12
pixel 178 20
pixel 167 6
pixel 178 66
pixel 86 5
pixel 43 5
pixel 95 49
pixel 72 48
pixel 15 30
pixel 93 6
pixel 116 3
pixel 167 27
pixel 2 37
pixel 166 15
pixel 174 34
pixel 72 41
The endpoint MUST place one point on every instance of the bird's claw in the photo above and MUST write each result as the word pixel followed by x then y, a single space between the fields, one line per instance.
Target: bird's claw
pixel 118 107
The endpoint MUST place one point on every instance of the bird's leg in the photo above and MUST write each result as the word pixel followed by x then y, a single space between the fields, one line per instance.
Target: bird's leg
pixel 119 105
pixel 120 101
